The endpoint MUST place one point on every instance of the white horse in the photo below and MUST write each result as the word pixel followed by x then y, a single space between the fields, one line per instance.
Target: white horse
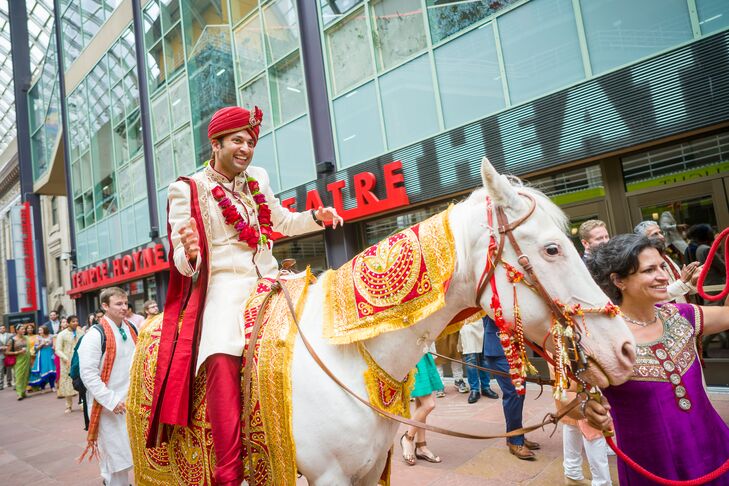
pixel 339 441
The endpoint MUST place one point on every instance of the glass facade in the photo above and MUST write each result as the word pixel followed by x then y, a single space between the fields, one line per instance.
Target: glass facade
pixel 44 112
pixel 397 74
pixel 107 166
pixel 269 74
pixel 81 20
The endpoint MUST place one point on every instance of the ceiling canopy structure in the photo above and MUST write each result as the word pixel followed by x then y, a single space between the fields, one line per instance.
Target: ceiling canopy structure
pixel 40 24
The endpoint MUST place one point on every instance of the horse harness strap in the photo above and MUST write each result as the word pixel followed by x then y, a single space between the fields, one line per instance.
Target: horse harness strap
pixel 248 377
pixel 505 228
pixel 538 380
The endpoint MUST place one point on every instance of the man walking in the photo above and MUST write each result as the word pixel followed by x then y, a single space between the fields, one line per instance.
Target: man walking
pixel 593 233
pixel 104 371
pixel 65 344
pixel 6 371
pixel 220 221
pixel 513 403
pixel 54 323
pixel 150 308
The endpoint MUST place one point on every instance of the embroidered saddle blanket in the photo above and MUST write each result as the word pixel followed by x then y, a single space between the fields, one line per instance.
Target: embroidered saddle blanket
pixel 390 285
pixel 189 458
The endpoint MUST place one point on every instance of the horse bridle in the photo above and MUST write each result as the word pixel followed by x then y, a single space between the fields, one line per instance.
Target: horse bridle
pixel 563 314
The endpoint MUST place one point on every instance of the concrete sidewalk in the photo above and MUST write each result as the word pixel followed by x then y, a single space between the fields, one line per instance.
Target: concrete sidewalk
pixel 39 444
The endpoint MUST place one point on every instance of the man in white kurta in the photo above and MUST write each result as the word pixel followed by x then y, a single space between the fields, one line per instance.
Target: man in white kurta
pixel 115 459
pixel 234 264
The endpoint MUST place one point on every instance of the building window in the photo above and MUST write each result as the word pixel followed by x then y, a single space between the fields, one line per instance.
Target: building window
pixel 350 52
pixel 447 17
pixel 664 166
pixel 270 75
pixel 619 32
pixel 713 15
pixel 59 272
pixel 469 77
pixel 399 31
pixel 540 47
pixel 105 148
pixel 308 251
pixel 54 210
pixel 408 102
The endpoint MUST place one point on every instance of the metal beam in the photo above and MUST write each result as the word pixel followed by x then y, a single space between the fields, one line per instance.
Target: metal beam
pixel 146 120
pixel 316 87
pixel 64 132
pixel 341 244
pixel 20 48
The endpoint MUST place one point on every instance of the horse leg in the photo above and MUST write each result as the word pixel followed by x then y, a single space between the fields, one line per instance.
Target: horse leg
pixel 374 474
pixel 332 477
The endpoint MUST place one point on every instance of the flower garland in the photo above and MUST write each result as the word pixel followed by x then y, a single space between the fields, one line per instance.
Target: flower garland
pixel 247 232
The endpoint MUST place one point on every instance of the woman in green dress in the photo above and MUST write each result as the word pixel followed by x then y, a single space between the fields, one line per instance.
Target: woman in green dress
pixel 18 347
pixel 427 381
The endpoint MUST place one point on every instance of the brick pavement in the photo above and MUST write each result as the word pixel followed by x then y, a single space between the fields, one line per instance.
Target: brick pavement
pixel 39 445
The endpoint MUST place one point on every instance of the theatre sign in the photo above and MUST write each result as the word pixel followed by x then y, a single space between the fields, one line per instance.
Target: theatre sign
pixel 122 268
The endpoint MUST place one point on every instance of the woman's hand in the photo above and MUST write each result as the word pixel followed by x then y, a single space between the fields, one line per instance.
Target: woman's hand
pixel 690 273
pixel 597 415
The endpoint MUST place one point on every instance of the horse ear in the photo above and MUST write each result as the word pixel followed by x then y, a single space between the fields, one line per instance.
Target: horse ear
pixel 499 187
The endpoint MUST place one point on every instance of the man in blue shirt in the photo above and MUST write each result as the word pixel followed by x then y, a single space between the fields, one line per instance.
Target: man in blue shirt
pixel 513 403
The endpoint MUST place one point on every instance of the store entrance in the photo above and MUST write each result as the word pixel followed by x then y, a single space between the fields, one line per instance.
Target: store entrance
pixel 676 210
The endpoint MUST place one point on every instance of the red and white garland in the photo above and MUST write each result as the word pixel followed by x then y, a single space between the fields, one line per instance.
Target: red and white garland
pixel 246 231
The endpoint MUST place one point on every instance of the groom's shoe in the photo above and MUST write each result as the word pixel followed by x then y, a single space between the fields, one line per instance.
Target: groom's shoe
pixel 474 396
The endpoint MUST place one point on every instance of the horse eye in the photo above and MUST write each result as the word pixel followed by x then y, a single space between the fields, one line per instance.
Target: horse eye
pixel 552 250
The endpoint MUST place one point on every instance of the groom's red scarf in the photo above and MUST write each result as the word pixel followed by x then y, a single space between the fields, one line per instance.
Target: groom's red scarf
pixel 180 338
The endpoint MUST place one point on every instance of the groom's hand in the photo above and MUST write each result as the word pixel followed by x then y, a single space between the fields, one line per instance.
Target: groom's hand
pixel 189 237
pixel 329 214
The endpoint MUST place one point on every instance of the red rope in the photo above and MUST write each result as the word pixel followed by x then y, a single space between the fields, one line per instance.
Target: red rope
pixel 707 266
pixel 669 482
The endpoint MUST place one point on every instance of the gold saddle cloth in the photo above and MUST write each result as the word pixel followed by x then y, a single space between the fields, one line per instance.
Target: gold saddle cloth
pixel 390 285
pixel 189 458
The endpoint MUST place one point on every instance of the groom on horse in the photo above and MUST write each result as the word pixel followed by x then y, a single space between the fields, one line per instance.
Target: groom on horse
pixel 219 221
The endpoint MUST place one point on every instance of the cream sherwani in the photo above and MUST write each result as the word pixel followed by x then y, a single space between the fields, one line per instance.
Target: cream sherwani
pixel 65 342
pixel 232 270
pixel 116 455
pixel 471 335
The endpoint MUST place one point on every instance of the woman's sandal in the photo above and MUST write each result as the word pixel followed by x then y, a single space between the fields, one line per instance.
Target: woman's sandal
pixel 430 457
pixel 409 459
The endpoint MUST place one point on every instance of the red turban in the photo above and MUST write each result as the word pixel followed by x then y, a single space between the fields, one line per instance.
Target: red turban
pixel 234 118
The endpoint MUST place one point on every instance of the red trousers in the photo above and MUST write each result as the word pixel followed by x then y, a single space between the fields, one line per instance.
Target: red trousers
pixel 224 412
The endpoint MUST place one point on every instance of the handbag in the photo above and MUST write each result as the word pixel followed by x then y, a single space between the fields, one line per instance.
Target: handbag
pixel 9 361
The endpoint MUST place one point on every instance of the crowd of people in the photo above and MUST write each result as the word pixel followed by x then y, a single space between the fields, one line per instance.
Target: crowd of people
pixel 35 361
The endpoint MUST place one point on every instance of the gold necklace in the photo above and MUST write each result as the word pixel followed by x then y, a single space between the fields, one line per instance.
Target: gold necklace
pixel 641 323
